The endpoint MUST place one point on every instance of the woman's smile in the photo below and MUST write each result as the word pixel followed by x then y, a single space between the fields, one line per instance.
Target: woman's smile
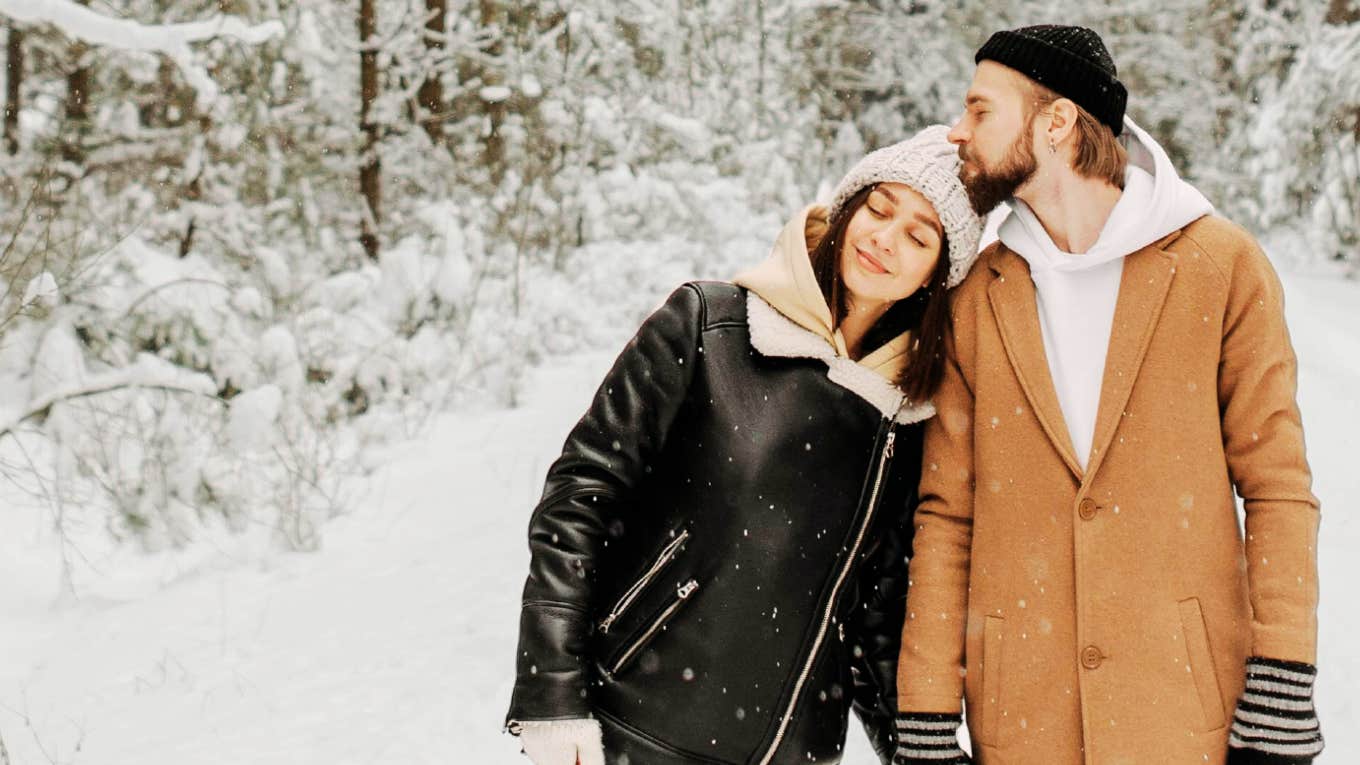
pixel 871 264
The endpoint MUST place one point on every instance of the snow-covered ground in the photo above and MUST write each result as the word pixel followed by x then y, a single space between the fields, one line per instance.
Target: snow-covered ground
pixel 395 643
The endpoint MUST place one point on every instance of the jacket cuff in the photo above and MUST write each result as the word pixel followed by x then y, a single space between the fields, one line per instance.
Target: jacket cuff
pixel 1275 722
pixel 552 676
pixel 929 738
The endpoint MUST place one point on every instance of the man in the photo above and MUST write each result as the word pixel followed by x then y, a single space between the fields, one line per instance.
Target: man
pixel 1120 365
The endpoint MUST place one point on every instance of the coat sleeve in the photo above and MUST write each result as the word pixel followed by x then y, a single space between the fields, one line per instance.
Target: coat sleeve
pixel 876 624
pixel 603 460
pixel 1263 443
pixel 929 677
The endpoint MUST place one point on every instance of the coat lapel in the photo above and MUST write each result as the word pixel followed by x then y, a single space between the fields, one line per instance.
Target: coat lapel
pixel 1011 295
pixel 1142 293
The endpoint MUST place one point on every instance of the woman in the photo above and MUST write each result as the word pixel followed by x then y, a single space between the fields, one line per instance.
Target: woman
pixel 718 563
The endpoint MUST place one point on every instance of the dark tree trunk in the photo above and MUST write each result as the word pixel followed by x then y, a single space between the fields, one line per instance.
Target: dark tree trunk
pixel 1343 12
pixel 431 95
pixel 77 102
pixel 370 167
pixel 493 151
pixel 14 80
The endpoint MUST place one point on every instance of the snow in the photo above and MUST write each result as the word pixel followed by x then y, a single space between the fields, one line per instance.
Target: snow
pixel 253 414
pixel 42 290
pixel 394 643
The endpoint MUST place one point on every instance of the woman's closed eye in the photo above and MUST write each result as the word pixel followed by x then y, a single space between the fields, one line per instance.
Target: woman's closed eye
pixel 918 236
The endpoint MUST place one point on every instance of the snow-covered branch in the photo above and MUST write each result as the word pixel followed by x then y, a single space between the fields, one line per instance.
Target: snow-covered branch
pixel 172 40
pixel 148 372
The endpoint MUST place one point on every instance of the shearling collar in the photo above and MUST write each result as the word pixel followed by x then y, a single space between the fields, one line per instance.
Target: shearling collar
pixel 773 334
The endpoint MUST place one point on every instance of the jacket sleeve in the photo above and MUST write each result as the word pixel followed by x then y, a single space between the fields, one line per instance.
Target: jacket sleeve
pixel 876 628
pixel 1275 720
pixel 603 460
pixel 1263 443
pixel 929 677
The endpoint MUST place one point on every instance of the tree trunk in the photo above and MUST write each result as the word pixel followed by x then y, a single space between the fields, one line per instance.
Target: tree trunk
pixel 193 190
pixel 14 80
pixel 431 95
pixel 77 102
pixel 1339 13
pixel 1343 12
pixel 370 167
pixel 493 153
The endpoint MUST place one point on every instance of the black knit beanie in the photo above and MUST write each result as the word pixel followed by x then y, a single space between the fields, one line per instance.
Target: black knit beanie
pixel 1071 61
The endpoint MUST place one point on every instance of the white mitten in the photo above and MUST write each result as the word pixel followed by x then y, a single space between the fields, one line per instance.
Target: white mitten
pixel 562 742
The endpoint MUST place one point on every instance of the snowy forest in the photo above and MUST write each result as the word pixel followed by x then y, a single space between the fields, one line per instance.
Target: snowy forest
pixel 252 250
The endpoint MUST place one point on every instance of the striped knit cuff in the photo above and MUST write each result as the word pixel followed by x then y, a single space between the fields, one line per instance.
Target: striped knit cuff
pixel 1276 723
pixel 929 739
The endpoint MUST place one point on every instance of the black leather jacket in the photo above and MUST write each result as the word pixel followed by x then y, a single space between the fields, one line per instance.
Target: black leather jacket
pixel 718 563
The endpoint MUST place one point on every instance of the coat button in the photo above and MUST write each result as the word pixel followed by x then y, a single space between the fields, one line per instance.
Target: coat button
pixel 1087 509
pixel 1091 657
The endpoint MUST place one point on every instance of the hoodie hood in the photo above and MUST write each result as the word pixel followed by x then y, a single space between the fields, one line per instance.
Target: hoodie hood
pixel 786 282
pixel 1155 202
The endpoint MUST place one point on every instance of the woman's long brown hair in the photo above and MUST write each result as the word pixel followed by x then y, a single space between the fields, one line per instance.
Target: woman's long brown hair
pixel 925 312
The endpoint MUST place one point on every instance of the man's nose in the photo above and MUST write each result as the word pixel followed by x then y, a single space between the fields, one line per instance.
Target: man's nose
pixel 958 134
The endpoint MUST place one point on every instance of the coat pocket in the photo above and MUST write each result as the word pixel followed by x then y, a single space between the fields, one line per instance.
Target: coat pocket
pixel 993 632
pixel 1201 659
pixel 659 564
pixel 631 648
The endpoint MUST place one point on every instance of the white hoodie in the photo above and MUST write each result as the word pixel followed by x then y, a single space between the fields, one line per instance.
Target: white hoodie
pixel 1076 294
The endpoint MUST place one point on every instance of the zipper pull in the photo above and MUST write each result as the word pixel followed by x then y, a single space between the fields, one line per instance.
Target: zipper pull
pixel 687 589
pixel 888 448
pixel 604 625
pixel 840 630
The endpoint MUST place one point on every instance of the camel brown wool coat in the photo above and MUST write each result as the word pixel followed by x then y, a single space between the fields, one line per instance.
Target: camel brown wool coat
pixel 1104 617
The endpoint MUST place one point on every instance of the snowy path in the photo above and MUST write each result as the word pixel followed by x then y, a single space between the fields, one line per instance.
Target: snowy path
pixel 395 644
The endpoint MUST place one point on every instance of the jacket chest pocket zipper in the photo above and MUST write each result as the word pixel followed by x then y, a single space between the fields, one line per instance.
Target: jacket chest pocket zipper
pixel 630 595
pixel 637 644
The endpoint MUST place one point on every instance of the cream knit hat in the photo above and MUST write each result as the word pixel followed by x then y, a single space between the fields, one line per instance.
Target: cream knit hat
pixel 929 163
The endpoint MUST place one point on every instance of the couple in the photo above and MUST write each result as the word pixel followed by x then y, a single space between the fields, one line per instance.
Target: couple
pixel 719 564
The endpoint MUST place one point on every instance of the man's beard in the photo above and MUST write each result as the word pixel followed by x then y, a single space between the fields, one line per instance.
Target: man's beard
pixel 989 187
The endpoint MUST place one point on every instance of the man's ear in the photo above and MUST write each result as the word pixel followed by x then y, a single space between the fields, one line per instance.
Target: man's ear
pixel 1062 121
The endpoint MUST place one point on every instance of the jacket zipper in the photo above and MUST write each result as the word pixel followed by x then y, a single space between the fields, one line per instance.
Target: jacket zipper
pixel 667 555
pixel 831 602
pixel 681 595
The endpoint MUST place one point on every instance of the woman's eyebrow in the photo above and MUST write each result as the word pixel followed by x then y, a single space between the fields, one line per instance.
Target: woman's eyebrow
pixel 934 224
pixel 917 214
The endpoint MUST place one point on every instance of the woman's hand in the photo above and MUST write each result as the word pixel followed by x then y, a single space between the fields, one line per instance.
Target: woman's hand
pixel 562 742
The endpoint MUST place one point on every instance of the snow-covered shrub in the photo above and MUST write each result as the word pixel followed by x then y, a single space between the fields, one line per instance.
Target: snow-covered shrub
pixel 1311 182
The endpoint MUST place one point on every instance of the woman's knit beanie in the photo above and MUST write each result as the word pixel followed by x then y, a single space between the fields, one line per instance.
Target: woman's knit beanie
pixel 928 163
